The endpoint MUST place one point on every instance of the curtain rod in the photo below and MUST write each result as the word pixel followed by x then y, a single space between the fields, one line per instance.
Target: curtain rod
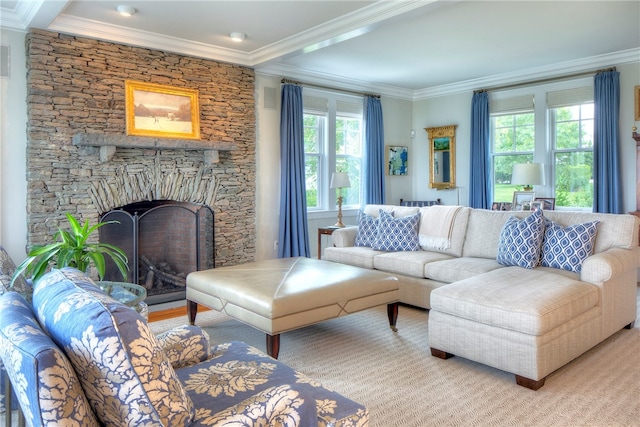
pixel 285 80
pixel 547 80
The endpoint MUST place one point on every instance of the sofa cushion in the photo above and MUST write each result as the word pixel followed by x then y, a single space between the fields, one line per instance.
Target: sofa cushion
pixel 367 230
pixel 408 263
pixel 32 359
pixel 521 241
pixel 125 375
pixel 185 345
pixel 483 232
pixel 237 372
pixel 567 247
pixel 528 301
pixel 452 270
pixel 396 211
pixel 397 234
pixel 358 256
pixel 614 230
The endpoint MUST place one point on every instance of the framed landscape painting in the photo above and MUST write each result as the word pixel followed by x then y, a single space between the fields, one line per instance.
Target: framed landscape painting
pixel 161 111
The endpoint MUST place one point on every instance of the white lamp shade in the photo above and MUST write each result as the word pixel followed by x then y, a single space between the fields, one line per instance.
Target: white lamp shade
pixel 340 180
pixel 528 174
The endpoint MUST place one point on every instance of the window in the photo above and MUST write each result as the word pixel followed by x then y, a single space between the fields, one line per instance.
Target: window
pixel 572 139
pixel 513 141
pixel 314 131
pixel 333 143
pixel 558 133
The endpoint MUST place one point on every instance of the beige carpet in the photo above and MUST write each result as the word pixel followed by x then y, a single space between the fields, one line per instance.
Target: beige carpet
pixel 395 376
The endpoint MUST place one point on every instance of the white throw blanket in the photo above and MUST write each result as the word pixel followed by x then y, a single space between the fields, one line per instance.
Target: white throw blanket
pixel 436 227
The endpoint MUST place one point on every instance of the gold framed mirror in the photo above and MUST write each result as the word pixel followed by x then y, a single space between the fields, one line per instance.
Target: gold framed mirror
pixel 442 157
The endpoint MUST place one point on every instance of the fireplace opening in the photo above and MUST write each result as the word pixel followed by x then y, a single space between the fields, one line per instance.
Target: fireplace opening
pixel 164 241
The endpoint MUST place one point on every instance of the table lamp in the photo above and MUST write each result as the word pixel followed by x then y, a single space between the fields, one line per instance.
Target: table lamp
pixel 340 180
pixel 527 174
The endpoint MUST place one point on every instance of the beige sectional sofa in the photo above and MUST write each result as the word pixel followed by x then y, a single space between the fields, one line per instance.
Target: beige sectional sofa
pixel 527 321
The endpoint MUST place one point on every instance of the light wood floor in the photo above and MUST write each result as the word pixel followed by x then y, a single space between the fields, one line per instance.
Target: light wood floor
pixel 170 313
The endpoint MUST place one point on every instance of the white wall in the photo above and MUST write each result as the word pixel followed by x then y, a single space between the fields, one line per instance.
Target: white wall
pixel 629 77
pixel 398 124
pixel 435 112
pixel 13 144
pixel 268 167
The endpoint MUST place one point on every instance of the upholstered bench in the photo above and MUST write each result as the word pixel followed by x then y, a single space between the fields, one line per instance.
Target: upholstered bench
pixel 279 295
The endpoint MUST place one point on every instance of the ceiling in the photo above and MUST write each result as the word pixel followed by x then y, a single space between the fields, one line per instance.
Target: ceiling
pixel 409 48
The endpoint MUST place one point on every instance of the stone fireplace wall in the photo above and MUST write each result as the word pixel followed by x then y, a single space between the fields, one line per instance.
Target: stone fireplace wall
pixel 76 85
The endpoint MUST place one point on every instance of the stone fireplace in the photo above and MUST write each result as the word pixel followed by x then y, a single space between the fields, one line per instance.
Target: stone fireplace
pixel 76 108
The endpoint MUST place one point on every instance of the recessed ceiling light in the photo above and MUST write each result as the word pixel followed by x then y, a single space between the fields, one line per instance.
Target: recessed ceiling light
pixel 125 10
pixel 237 37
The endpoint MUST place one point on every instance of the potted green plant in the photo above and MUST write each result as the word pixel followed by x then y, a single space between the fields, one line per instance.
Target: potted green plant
pixel 72 249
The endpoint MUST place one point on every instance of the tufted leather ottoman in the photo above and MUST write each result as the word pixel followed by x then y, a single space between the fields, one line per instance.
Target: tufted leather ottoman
pixel 279 295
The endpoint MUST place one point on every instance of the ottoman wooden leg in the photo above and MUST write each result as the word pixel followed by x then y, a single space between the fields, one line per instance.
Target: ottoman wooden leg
pixel 392 312
pixel 192 310
pixel 273 345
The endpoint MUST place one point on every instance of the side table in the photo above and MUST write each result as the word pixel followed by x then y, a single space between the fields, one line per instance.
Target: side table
pixel 327 231
pixel 130 294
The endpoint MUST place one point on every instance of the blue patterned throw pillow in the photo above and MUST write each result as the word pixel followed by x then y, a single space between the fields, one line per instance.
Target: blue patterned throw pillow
pixel 397 234
pixel 567 247
pixel 367 230
pixel 521 241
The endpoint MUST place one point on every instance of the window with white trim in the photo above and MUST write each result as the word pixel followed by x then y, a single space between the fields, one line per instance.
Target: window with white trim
pixel 333 134
pixel 558 133
pixel 571 136
pixel 512 141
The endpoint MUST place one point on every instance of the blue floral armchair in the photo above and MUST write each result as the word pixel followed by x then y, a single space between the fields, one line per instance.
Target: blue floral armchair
pixel 79 358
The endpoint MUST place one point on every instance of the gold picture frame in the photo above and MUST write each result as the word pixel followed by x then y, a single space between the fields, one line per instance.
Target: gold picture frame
pixel 161 111
pixel 636 91
pixel 442 157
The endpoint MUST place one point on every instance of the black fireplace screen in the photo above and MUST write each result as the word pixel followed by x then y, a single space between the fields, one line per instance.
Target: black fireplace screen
pixel 164 242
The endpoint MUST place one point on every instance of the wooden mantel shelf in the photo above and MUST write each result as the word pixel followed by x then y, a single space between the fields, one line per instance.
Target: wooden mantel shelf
pixel 109 142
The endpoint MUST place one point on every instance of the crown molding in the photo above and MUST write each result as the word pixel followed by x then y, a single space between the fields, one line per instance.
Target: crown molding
pixel 333 81
pixel 118 34
pixel 522 77
pixel 30 13
pixel 326 34
pixel 337 30
pixel 19 17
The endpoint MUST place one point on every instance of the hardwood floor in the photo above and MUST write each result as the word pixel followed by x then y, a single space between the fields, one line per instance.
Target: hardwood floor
pixel 170 313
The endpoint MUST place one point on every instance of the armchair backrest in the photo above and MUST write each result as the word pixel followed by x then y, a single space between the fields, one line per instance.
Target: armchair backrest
pixel 42 377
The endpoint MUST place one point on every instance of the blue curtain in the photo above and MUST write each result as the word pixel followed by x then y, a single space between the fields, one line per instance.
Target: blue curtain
pixel 480 190
pixel 373 172
pixel 293 236
pixel 607 187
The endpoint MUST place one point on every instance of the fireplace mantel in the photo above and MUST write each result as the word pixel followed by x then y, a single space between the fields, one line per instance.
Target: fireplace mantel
pixel 109 142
